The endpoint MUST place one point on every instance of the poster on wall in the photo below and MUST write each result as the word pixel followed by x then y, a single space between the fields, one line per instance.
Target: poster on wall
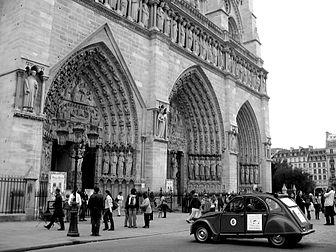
pixel 254 222
pixel 169 185
pixel 56 180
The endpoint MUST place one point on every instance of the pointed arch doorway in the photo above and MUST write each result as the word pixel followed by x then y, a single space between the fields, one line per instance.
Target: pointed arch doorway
pixel 195 140
pixel 91 90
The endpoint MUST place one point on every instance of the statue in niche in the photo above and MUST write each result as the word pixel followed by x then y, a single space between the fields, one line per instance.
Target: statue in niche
pixel 190 39
pixel 167 24
pixel 251 174
pixel 201 168
pixel 123 7
pixel 242 174
pixel 135 9
pixel 213 174
pixel 113 4
pixel 219 168
pixel 114 161
pixel 191 168
pixel 203 48
pixel 256 174
pixel 174 31
pixel 129 163
pixel 160 14
pixel 106 163
pixel 196 44
pixel 174 166
pixel 30 90
pixel 209 52
pixel 182 35
pixel 215 54
pixel 162 121
pixel 145 13
pixel 247 174
pixel 196 167
pixel 121 161
pixel 207 168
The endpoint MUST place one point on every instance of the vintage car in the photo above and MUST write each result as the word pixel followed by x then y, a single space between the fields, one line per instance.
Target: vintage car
pixel 259 215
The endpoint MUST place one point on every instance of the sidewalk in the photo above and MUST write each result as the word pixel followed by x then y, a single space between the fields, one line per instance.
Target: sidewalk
pixel 24 236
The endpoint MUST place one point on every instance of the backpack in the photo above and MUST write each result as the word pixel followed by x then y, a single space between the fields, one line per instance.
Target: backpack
pixel 132 201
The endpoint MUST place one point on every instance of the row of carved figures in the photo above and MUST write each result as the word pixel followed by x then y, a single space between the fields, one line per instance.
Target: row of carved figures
pixel 249 174
pixel 117 164
pixel 158 16
pixel 204 168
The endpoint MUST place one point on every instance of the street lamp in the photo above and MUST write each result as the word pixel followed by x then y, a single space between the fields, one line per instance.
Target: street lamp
pixel 79 151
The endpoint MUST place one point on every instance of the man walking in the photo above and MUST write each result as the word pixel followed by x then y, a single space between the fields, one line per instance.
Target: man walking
pixel 132 206
pixel 96 206
pixel 58 213
pixel 329 206
pixel 108 211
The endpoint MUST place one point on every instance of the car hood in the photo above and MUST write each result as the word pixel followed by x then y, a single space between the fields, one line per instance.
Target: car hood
pixel 210 214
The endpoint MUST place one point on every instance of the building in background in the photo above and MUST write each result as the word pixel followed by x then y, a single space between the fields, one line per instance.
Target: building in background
pixel 149 91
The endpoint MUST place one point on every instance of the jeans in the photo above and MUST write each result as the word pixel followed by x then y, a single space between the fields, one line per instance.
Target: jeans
pixel 329 215
pixel 132 217
pixel 146 219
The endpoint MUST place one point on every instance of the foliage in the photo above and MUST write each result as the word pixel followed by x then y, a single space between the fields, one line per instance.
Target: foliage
pixel 283 173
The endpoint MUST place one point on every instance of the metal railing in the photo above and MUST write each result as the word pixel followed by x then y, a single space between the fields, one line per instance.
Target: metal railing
pixel 12 195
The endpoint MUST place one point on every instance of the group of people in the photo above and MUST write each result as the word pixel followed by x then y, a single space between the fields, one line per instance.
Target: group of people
pixel 102 208
pixel 321 202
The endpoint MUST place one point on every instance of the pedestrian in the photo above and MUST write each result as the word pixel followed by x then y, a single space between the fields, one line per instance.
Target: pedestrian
pixel 205 204
pixel 58 211
pixel 220 202
pixel 75 198
pixel 317 205
pixel 329 198
pixel 66 207
pixel 307 205
pixel 96 206
pixel 132 206
pixel 195 205
pixel 152 203
pixel 214 203
pixel 120 201
pixel 147 210
pixel 108 212
pixel 164 206
pixel 83 207
pixel 299 201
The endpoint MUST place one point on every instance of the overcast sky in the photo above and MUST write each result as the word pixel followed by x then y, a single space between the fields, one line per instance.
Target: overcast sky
pixel 298 40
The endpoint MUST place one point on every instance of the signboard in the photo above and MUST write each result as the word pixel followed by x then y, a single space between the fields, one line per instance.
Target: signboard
pixel 254 222
pixel 169 185
pixel 56 180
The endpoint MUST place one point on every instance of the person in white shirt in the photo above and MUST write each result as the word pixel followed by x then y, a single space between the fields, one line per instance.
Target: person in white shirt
pixel 120 201
pixel 329 206
pixel 78 199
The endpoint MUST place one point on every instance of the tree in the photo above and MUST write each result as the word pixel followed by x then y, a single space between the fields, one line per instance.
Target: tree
pixel 283 173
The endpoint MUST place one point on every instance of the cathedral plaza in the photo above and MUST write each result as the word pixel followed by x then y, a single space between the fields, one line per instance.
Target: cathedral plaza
pixel 161 95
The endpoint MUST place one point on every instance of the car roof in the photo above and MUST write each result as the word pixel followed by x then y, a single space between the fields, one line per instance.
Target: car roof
pixel 263 195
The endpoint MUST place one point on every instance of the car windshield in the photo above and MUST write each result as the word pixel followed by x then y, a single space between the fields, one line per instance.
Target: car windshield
pixel 293 207
pixel 288 202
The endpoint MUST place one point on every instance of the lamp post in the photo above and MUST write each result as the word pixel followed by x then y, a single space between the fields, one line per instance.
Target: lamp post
pixel 79 151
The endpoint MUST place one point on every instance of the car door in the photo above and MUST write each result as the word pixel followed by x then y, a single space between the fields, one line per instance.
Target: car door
pixel 232 218
pixel 256 215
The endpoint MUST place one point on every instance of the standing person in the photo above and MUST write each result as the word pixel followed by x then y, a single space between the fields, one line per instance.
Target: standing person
pixel 329 206
pixel 152 203
pixel 120 200
pixel 299 201
pixel 96 206
pixel 214 203
pixel 164 206
pixel 147 210
pixel 132 205
pixel 307 200
pixel 58 212
pixel 220 202
pixel 317 205
pixel 195 205
pixel 83 207
pixel 108 211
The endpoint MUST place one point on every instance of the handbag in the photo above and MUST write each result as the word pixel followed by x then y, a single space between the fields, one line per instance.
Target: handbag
pixel 114 205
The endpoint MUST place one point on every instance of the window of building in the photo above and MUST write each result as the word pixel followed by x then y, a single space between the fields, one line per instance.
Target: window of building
pixel 324 170
pixel 320 177
pixel 315 177
pixel 314 165
pixel 323 164
pixel 304 165
pixel 314 171
pixel 324 177
pixel 319 171
pixel 331 151
pixel 309 165
pixel 299 165
pixel 318 164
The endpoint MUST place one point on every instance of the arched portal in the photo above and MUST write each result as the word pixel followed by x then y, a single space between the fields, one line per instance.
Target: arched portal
pixel 195 133
pixel 91 90
pixel 249 148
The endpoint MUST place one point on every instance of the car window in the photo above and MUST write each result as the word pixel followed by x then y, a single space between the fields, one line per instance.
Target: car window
pixel 236 205
pixel 255 205
pixel 273 205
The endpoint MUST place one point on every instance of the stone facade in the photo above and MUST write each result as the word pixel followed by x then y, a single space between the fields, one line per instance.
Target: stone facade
pixel 174 90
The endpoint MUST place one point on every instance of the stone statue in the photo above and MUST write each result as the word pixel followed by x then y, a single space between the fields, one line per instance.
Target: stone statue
pixel 123 7
pixel 191 168
pixel 242 175
pixel 121 161
pixel 196 167
pixel 251 174
pixel 113 4
pixel 215 55
pixel 30 90
pixel 219 169
pixel 174 31
pixel 134 9
pixel 213 173
pixel 167 24
pixel 145 13
pixel 201 168
pixel 203 48
pixel 256 175
pixel 106 163
pixel 182 35
pixel 129 163
pixel 114 161
pixel 174 166
pixel 162 120
pixel 247 174
pixel 160 16
pixel 207 168
pixel 196 44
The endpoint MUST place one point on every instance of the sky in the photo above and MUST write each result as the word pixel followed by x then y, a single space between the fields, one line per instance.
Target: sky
pixel 298 40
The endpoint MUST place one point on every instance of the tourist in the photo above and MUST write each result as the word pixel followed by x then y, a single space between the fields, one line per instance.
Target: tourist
pixel 195 205
pixel 329 205
pixel 120 201
pixel 146 208
pixel 108 211
pixel 96 206
pixel 58 211
pixel 132 206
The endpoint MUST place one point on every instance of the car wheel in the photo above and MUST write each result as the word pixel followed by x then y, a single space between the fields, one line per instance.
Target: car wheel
pixel 202 233
pixel 277 240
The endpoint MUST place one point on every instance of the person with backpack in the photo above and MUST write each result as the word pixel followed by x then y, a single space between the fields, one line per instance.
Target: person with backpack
pixel 108 211
pixel 132 206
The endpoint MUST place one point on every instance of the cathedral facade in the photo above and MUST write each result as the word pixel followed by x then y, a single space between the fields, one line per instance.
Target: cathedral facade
pixel 152 94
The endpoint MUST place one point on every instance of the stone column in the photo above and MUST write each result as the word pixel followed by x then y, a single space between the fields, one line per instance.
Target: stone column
pixel 153 12
pixel 30 198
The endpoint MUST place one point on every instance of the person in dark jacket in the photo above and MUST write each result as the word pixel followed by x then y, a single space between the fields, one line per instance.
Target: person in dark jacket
pixel 96 206
pixel 132 206
pixel 300 201
pixel 58 212
pixel 195 205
